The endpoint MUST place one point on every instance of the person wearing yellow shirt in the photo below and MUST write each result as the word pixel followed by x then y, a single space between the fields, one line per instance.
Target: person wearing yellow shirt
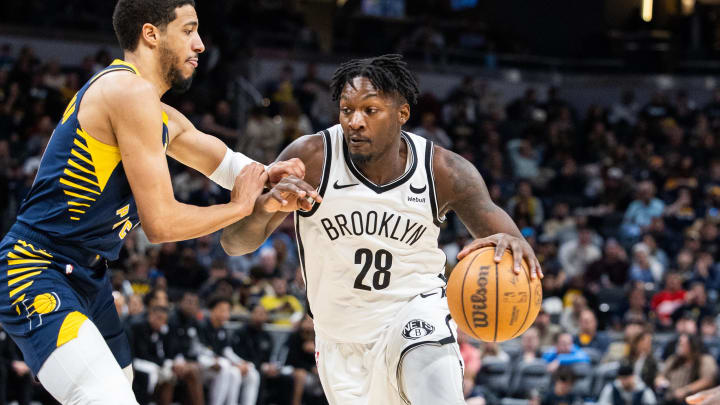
pixel 282 308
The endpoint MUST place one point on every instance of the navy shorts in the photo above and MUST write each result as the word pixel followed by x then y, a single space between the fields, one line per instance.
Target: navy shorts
pixel 45 296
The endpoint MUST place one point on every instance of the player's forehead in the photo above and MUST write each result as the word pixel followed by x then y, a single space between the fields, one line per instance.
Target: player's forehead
pixel 185 15
pixel 361 88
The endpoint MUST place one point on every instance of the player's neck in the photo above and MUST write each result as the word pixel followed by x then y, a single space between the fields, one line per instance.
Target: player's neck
pixel 146 64
pixel 388 166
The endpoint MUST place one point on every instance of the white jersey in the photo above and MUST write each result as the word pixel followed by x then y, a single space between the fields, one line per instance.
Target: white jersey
pixel 368 249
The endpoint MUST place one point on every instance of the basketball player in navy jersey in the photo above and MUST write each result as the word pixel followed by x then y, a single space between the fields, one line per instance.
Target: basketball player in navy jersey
pixel 369 252
pixel 104 171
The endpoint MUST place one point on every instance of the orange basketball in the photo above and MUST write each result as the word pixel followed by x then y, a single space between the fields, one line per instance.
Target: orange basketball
pixel 488 300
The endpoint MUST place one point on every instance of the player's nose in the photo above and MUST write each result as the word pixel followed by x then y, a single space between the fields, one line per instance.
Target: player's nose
pixel 197 45
pixel 356 121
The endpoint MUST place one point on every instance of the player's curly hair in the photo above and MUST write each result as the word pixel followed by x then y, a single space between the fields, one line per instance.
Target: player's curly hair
pixel 388 73
pixel 130 15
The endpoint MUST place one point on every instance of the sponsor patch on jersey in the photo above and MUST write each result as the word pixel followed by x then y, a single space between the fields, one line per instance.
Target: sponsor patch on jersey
pixel 416 329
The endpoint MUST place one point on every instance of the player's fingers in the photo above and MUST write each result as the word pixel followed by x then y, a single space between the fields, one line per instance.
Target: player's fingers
pixel 474 245
pixel 290 189
pixel 518 254
pixel 278 196
pixel 500 247
pixel 299 167
pixel 538 267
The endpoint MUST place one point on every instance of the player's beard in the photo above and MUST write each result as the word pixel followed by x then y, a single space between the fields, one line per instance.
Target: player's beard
pixel 360 159
pixel 173 75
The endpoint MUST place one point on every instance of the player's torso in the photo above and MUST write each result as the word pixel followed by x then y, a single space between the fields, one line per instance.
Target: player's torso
pixel 81 196
pixel 367 250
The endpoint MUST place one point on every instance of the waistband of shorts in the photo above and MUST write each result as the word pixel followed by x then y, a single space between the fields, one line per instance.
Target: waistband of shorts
pixel 80 257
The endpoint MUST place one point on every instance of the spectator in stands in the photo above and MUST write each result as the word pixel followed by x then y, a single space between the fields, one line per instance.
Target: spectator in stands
pixel 546 329
pixel 627 389
pixel 588 337
pixel 686 371
pixel 696 302
pixel 641 211
pixel 525 206
pixel 570 318
pixel 525 160
pixel 301 356
pixel 530 342
pixel 154 359
pixel 14 373
pixel 229 371
pixel 665 302
pixel 254 344
pixel 472 360
pixel 644 267
pixel 184 327
pixel 429 130
pixel 619 349
pixel 561 393
pixel 564 353
pixel 262 137
pixel 705 271
pixel 609 271
pixel 493 349
pixel 218 271
pixel 641 357
pixel 576 254
pixel 685 322
pixel 560 226
pixel 282 308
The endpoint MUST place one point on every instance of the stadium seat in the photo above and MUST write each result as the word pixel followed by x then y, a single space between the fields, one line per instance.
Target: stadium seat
pixel 583 379
pixel 529 376
pixel 594 354
pixel 514 401
pixel 495 375
pixel 604 373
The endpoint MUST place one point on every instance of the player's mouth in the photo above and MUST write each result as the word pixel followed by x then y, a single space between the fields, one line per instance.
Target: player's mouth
pixel 193 62
pixel 356 140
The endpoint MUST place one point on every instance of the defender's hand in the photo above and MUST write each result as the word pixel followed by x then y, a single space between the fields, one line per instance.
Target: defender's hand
pixel 518 246
pixel 289 195
pixel 248 186
pixel 279 170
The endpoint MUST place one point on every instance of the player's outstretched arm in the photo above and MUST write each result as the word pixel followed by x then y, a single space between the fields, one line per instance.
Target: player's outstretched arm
pixel 211 157
pixel 135 112
pixel 288 195
pixel 465 193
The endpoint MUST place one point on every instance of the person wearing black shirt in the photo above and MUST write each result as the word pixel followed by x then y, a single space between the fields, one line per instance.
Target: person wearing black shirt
pixel 157 363
pixel 301 356
pixel 229 371
pixel 561 394
pixel 255 345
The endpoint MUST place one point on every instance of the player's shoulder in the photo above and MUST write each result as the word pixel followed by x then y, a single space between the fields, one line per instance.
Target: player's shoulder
pixel 457 173
pixel 127 89
pixel 307 148
pixel 447 162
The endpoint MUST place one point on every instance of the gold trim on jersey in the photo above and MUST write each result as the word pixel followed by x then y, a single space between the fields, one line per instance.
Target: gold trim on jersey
pixel 22 255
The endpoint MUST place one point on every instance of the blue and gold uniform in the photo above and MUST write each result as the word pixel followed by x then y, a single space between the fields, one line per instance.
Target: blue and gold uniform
pixel 53 272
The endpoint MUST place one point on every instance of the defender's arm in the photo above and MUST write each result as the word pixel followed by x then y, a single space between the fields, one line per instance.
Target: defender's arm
pixel 465 193
pixel 248 234
pixel 134 112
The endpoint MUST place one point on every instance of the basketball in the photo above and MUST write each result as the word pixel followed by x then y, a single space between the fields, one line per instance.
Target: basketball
pixel 488 300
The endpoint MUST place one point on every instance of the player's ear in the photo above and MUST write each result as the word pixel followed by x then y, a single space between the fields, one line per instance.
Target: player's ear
pixel 404 113
pixel 150 34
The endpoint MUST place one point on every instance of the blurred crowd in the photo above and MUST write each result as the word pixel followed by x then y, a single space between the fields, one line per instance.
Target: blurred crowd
pixel 620 202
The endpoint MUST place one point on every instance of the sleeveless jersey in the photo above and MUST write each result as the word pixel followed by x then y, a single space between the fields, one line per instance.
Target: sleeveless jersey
pixel 81 198
pixel 368 249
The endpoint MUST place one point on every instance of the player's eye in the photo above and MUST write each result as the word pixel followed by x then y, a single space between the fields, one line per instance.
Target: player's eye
pixel 345 110
pixel 371 110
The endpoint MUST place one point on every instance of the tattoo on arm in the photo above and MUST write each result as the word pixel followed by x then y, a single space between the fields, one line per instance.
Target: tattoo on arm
pixel 467 195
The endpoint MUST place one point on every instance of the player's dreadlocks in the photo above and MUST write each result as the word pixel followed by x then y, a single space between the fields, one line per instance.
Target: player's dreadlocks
pixel 387 73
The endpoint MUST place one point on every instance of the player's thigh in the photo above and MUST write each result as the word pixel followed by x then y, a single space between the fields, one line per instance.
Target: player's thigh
pixel 342 371
pixel 39 308
pixel 84 371
pixel 105 316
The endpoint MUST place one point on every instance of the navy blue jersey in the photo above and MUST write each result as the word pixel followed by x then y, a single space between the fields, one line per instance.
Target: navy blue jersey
pixel 81 197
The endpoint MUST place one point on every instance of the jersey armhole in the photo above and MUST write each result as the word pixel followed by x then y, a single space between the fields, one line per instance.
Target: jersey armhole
pixel 429 155
pixel 327 160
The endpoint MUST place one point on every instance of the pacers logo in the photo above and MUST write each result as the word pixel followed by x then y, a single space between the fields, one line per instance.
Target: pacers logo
pixel 35 308
pixel 416 329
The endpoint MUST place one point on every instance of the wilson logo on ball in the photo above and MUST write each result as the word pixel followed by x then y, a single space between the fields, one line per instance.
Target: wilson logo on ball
pixel 479 299
pixel 416 329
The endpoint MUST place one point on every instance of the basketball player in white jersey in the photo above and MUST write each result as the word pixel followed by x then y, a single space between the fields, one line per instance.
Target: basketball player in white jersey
pixel 369 252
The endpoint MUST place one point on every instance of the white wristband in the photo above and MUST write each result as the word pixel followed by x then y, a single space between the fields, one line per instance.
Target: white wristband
pixel 226 172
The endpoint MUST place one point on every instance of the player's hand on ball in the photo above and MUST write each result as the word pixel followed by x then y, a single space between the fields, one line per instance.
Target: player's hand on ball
pixel 518 246
pixel 248 186
pixel 288 195
pixel 707 397
pixel 279 170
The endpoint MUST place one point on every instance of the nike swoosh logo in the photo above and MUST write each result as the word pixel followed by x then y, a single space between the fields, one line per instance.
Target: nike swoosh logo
pixel 427 295
pixel 418 190
pixel 337 186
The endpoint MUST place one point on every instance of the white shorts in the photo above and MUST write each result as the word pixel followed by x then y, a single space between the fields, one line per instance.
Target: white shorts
pixel 370 374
